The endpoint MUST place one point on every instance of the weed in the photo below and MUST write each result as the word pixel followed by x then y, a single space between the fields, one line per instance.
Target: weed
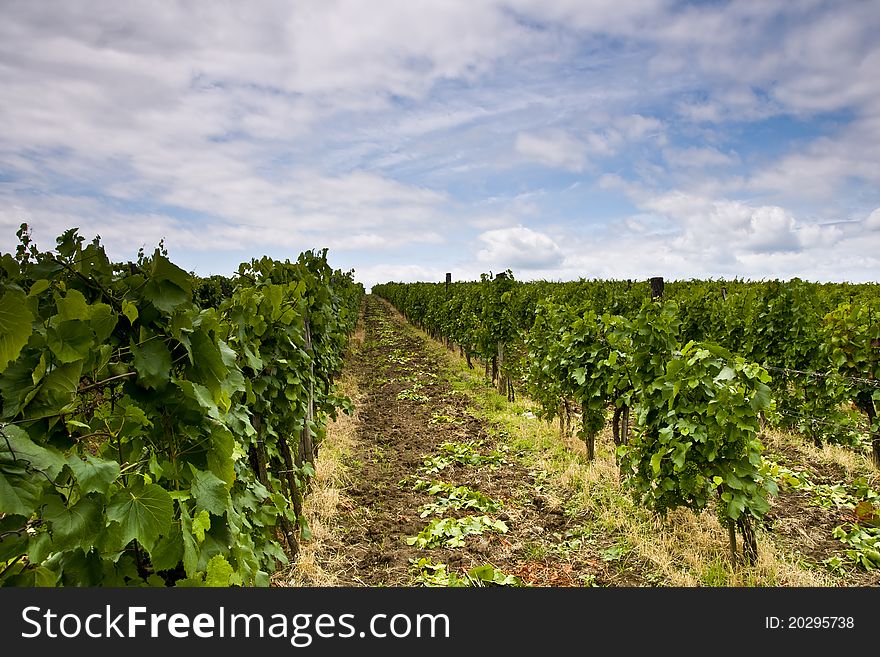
pixel 437 574
pixel 451 497
pixel 451 532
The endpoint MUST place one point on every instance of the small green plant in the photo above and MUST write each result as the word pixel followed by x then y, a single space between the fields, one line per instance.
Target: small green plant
pixel 488 575
pixel 411 394
pixel 462 454
pixel 439 418
pixel 834 565
pixel 451 497
pixel 590 580
pixel 451 532
pixel 399 357
pixel 615 553
pixel 437 574
pixel 857 495
pixel 863 543
pixel 567 546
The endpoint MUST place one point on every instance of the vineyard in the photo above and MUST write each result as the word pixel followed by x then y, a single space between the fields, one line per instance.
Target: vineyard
pixel 279 427
pixel 689 374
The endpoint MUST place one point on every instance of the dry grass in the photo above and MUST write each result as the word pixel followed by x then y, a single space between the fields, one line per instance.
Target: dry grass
pixel 318 562
pixel 853 463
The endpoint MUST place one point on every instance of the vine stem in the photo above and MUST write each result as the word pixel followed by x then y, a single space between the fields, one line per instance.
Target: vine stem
pixel 106 381
pixel 91 283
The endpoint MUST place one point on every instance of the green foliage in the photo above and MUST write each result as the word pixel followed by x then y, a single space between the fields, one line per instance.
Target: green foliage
pixel 461 453
pixel 451 532
pixel 863 544
pixel 696 438
pixel 140 432
pixel 437 574
pixel 452 497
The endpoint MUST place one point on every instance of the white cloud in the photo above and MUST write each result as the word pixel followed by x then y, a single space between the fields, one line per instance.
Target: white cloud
pixel 697 158
pixel 554 149
pixel 519 248
pixel 378 131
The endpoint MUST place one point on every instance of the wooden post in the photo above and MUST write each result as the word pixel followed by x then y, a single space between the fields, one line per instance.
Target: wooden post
pixel 502 380
pixel 724 293
pixel 306 446
pixel 448 281
pixel 657 287
pixel 498 361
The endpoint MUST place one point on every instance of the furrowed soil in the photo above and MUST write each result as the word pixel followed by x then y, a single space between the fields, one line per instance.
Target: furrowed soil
pixel 419 424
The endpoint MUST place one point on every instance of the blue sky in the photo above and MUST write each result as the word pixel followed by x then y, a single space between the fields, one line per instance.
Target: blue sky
pixel 558 138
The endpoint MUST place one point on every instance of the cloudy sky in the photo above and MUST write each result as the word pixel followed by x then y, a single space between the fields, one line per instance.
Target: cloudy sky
pixel 558 138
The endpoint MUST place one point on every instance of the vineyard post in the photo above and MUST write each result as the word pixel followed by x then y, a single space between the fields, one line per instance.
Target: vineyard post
pixel 448 281
pixel 499 361
pixel 657 287
pixel 502 382
pixel 306 447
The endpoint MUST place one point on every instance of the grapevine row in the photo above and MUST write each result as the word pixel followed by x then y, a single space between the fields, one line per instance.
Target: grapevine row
pixel 156 428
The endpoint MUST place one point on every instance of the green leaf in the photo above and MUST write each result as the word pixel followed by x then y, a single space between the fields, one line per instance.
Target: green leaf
pixel 130 310
pixel 169 286
pixel 210 492
pixel 12 544
pixel 40 371
pixel 74 526
pixel 70 340
pixel 208 367
pixel 761 399
pixel 17 387
pixel 678 456
pixel 26 453
pixel 19 494
pixel 16 326
pixel 38 287
pixel 220 460
pixel 152 360
pixel 201 523
pixel 103 321
pixel 45 577
pixel 73 306
pixel 40 547
pixel 93 474
pixel 143 511
pixel 168 552
pixel 191 550
pixel 219 572
pixel 655 462
pixel 485 573
pixel 726 374
pixel 57 391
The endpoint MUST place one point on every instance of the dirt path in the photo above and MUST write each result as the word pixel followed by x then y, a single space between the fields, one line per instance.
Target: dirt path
pixel 409 413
